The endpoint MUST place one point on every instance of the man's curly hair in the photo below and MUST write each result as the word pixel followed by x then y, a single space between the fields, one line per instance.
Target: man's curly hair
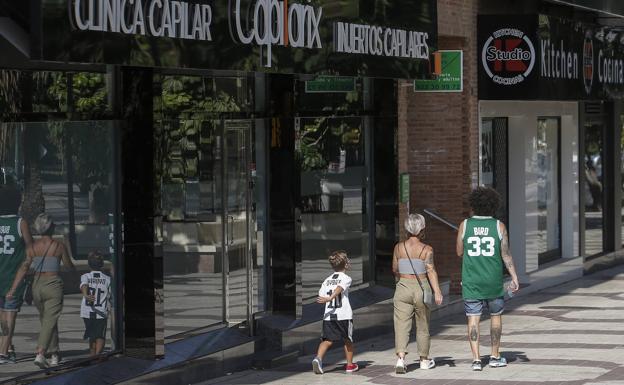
pixel 484 201
pixel 338 260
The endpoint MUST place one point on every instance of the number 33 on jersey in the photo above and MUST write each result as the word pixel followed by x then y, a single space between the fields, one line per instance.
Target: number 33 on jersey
pixel 482 267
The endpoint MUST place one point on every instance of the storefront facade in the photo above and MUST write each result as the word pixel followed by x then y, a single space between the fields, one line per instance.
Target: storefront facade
pixel 550 91
pixel 215 152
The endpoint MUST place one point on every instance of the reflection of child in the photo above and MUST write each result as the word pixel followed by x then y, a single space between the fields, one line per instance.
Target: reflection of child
pixel 95 287
pixel 338 318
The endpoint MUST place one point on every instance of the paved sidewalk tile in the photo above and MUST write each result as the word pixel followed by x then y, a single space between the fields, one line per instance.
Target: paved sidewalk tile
pixel 572 334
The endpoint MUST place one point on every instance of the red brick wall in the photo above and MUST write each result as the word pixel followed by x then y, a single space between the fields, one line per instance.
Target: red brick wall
pixel 438 139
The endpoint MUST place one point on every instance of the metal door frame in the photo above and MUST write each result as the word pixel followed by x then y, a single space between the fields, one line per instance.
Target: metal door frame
pixel 227 230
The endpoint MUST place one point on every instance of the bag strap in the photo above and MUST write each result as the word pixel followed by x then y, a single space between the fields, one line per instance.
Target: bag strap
pixel 413 269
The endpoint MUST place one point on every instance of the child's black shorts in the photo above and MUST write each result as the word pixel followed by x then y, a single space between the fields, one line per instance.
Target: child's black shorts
pixel 337 330
pixel 95 328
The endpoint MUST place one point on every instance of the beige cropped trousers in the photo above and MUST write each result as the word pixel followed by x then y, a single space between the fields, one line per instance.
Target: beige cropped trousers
pixel 409 306
pixel 48 297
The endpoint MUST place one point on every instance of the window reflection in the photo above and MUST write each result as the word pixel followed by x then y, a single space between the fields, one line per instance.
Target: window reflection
pixel 494 154
pixel 622 171
pixel 548 190
pixel 207 162
pixel 593 186
pixel 333 194
pixel 65 170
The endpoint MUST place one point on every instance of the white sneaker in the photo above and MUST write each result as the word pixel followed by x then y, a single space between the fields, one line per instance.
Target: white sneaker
pixel 41 361
pixel 427 364
pixel 317 365
pixel 400 368
pixel 54 360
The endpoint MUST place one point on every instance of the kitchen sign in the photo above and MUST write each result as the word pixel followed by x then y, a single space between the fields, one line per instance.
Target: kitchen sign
pixel 544 57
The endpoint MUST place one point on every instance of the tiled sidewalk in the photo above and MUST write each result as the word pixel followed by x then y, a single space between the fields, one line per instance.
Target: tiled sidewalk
pixel 567 335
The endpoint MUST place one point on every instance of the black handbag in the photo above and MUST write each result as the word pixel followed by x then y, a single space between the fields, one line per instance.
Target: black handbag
pixel 28 290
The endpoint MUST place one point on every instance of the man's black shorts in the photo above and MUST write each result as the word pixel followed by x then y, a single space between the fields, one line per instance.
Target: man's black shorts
pixel 95 328
pixel 337 330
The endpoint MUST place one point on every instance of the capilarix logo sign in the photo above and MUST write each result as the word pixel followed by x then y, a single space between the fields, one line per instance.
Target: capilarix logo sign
pixel 271 22
pixel 508 56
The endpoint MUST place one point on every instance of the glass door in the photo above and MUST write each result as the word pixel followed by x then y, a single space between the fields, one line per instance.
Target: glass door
pixel 209 230
pixel 192 228
pixel 593 183
pixel 238 225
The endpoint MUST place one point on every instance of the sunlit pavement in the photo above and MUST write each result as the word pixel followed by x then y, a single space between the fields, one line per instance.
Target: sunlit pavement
pixel 571 334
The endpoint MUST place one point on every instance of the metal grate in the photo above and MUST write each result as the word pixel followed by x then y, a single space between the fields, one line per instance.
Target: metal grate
pixel 594 108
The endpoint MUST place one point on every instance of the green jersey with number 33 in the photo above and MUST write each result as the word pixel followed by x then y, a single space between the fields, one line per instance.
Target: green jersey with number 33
pixel 482 269
pixel 11 251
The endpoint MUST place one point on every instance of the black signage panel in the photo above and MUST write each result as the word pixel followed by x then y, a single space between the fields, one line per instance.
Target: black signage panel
pixel 507 56
pixel 615 7
pixel 393 38
pixel 573 60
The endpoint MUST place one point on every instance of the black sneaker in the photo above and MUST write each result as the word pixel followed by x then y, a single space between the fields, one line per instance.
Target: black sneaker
pixel 476 366
pixel 11 353
pixel 6 359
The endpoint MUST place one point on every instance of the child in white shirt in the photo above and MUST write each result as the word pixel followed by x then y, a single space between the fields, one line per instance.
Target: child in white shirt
pixel 96 292
pixel 338 318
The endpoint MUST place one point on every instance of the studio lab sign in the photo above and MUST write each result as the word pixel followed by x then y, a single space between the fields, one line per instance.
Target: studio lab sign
pixel 272 22
pixel 160 18
pixel 508 56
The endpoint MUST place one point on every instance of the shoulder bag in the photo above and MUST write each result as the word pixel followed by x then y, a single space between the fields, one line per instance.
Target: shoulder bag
pixel 29 278
pixel 427 294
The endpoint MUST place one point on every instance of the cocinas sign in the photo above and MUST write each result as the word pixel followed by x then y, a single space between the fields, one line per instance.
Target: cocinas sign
pixel 160 18
pixel 545 57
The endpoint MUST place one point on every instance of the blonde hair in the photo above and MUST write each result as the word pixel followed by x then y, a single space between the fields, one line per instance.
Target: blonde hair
pixel 42 224
pixel 338 260
pixel 414 224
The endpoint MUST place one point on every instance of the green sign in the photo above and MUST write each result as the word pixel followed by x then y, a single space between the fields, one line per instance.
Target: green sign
pixel 330 84
pixel 404 188
pixel 451 79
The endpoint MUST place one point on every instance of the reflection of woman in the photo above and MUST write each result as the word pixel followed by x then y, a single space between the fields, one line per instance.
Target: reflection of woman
pixel 412 263
pixel 593 182
pixel 45 257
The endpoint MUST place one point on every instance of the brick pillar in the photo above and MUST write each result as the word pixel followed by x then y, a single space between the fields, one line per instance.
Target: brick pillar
pixel 439 142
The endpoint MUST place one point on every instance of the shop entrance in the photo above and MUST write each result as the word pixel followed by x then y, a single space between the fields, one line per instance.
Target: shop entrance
pixel 209 232
pixel 209 238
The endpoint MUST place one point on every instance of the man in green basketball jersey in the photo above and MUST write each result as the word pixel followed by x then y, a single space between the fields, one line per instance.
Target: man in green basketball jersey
pixel 14 239
pixel 483 243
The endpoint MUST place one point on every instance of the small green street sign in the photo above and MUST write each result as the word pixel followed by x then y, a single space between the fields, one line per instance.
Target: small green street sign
pixel 404 187
pixel 450 80
pixel 330 84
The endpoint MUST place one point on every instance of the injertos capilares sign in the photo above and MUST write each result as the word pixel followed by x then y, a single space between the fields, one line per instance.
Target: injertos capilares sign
pixel 308 36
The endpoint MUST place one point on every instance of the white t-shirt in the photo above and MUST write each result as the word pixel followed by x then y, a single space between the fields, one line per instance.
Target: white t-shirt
pixel 99 285
pixel 339 309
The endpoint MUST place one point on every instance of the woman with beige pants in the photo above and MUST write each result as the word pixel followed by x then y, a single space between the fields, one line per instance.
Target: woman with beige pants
pixel 412 264
pixel 45 257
